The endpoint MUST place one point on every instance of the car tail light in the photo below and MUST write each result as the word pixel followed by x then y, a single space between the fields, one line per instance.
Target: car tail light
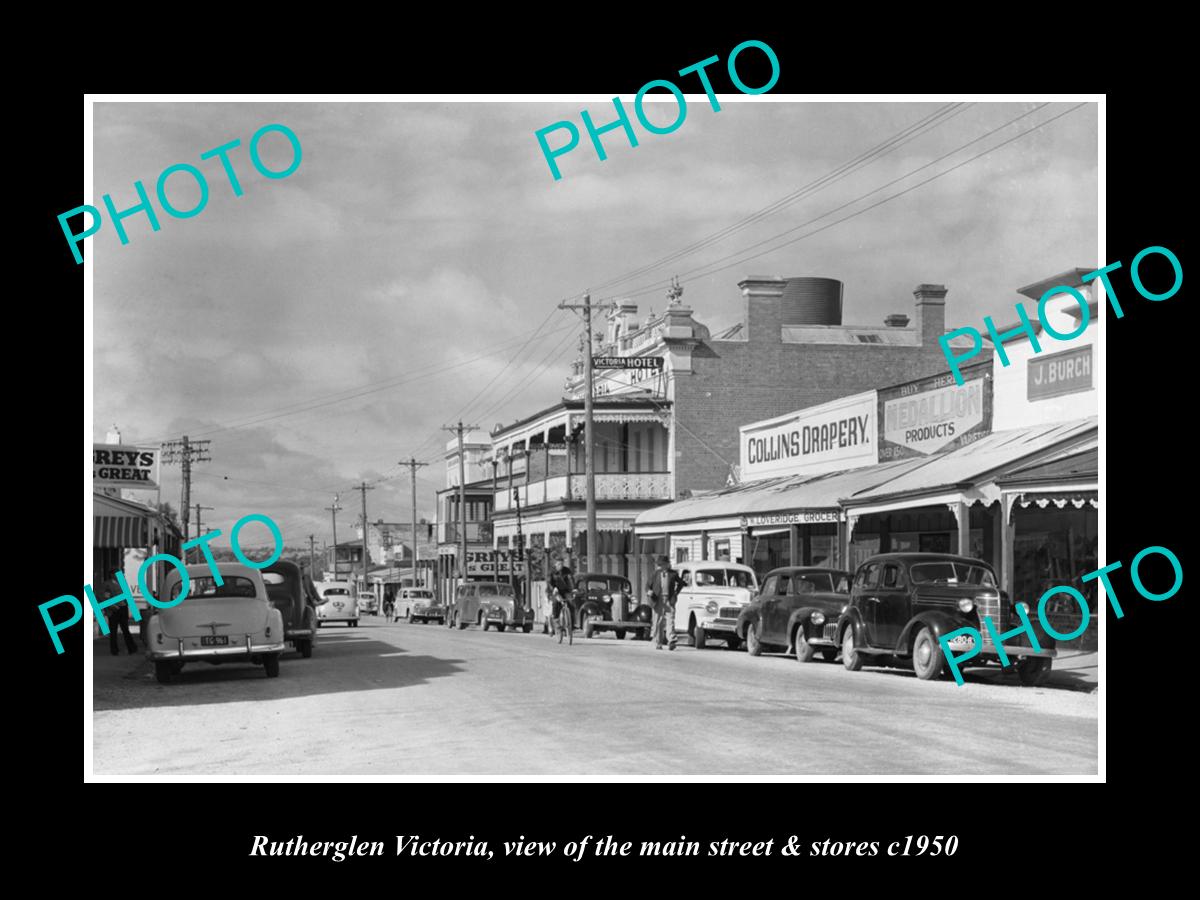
pixel 966 604
pixel 818 618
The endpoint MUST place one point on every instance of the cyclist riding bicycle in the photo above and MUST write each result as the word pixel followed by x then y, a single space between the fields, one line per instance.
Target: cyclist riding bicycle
pixel 560 586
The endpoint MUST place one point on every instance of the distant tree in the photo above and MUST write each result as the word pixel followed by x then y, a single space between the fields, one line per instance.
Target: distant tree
pixel 168 511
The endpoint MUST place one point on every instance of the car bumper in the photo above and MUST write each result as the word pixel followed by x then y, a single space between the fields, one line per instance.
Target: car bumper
pixel 1016 651
pixel 816 641
pixel 180 652
pixel 299 634
pixel 729 625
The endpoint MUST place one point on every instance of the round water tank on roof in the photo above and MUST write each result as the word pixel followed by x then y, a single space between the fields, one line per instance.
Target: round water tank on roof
pixel 812 301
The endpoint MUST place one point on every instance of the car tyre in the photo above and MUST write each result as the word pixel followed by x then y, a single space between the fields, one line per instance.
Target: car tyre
pixel 163 671
pixel 305 647
pixel 587 629
pixel 753 644
pixel 804 650
pixel 500 626
pixel 271 665
pixel 699 637
pixel 927 658
pixel 619 634
pixel 486 625
pixel 1034 670
pixel 462 626
pixel 851 658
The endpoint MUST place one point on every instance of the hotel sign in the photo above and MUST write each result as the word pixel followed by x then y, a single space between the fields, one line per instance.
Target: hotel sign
pixel 935 414
pixel 827 438
pixel 627 362
pixel 1056 374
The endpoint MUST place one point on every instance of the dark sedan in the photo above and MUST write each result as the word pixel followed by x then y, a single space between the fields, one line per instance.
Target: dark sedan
pixel 295 596
pixel 902 603
pixel 606 598
pixel 792 609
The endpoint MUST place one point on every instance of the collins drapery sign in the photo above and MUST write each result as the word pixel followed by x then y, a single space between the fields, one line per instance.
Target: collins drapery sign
pixel 935 414
pixel 826 438
pixel 121 466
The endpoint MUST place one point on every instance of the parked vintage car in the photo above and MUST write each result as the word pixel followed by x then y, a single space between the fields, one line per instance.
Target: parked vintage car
pixel 791 609
pixel 902 603
pixel 337 603
pixel 419 605
pixel 606 598
pixel 711 600
pixel 470 599
pixel 500 608
pixel 368 603
pixel 216 623
pixel 294 595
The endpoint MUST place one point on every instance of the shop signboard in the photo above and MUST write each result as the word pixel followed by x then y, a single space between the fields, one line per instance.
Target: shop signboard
pixel 799 517
pixel 627 362
pixel 124 466
pixel 933 415
pixel 831 437
pixel 486 563
pixel 1056 374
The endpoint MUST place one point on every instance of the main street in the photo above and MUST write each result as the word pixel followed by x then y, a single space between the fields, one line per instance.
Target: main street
pixel 388 699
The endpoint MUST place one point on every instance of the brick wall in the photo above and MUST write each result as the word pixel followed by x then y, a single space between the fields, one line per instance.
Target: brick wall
pixel 734 383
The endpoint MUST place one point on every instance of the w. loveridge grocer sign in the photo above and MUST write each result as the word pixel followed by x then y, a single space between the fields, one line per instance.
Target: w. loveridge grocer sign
pixel 935 414
pixel 121 466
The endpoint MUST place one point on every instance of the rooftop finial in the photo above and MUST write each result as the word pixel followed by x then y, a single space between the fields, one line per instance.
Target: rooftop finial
pixel 675 291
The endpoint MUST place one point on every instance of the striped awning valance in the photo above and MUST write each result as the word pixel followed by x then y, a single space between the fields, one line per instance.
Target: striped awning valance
pixel 120 531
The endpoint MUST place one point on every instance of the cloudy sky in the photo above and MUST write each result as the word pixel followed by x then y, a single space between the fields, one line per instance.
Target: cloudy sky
pixel 322 327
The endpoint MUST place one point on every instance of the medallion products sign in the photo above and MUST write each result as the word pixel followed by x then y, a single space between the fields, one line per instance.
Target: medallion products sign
pixel 826 438
pixel 119 466
pixel 935 414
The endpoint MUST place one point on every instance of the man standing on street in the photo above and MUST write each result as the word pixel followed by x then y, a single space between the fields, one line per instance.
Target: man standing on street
pixel 663 588
pixel 118 617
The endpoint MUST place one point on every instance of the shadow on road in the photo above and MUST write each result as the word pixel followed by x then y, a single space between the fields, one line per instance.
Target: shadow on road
pixel 125 683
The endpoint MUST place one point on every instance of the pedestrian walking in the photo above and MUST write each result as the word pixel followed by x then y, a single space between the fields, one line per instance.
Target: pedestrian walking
pixel 118 617
pixel 559 588
pixel 663 588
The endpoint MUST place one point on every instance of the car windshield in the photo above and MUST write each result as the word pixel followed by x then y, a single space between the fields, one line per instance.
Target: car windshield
pixel 722 578
pixel 233 586
pixel 806 582
pixel 952 573
pixel 606 585
pixel 495 590
pixel 420 595
pixel 336 592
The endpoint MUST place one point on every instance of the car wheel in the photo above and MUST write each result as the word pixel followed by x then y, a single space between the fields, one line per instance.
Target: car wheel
pixel 587 629
pixel 271 664
pixel 486 625
pixel 851 658
pixel 804 650
pixel 753 645
pixel 305 647
pixel 1034 670
pixel 699 637
pixel 928 660
pixel 163 672
pixel 462 626
pixel 501 626
pixel 619 634
pixel 411 620
pixel 829 653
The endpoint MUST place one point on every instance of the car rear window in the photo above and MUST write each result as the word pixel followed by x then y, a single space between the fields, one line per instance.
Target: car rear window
pixel 420 595
pixel 952 573
pixel 495 590
pixel 336 592
pixel 207 587
pixel 722 578
pixel 816 581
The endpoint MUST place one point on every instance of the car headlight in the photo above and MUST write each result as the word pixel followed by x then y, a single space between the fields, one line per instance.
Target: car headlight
pixel 711 607
pixel 1023 605
pixel 818 618
pixel 966 604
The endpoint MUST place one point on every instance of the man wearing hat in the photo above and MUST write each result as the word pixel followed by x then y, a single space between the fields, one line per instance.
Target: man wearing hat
pixel 559 588
pixel 663 588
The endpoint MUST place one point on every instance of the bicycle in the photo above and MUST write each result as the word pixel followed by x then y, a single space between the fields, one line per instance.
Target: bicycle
pixel 565 623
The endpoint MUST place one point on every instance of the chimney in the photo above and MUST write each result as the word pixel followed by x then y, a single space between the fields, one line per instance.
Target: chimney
pixel 764 308
pixel 931 313
pixel 896 320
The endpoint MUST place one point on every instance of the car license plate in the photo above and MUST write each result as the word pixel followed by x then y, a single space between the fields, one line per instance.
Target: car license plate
pixel 962 642
pixel 221 640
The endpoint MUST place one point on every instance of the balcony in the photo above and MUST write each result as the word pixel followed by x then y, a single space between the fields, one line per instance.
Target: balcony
pixel 477 533
pixel 610 486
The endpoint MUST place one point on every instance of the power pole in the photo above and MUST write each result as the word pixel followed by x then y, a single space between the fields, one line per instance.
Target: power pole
pixel 334 509
pixel 413 465
pixel 185 452
pixel 462 498
pixel 199 527
pixel 312 561
pixel 589 448
pixel 364 488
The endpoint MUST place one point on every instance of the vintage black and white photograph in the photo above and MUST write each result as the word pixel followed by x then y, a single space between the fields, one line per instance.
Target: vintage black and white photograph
pixel 537 439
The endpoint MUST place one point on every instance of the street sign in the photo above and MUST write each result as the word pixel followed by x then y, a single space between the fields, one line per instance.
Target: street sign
pixel 627 362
